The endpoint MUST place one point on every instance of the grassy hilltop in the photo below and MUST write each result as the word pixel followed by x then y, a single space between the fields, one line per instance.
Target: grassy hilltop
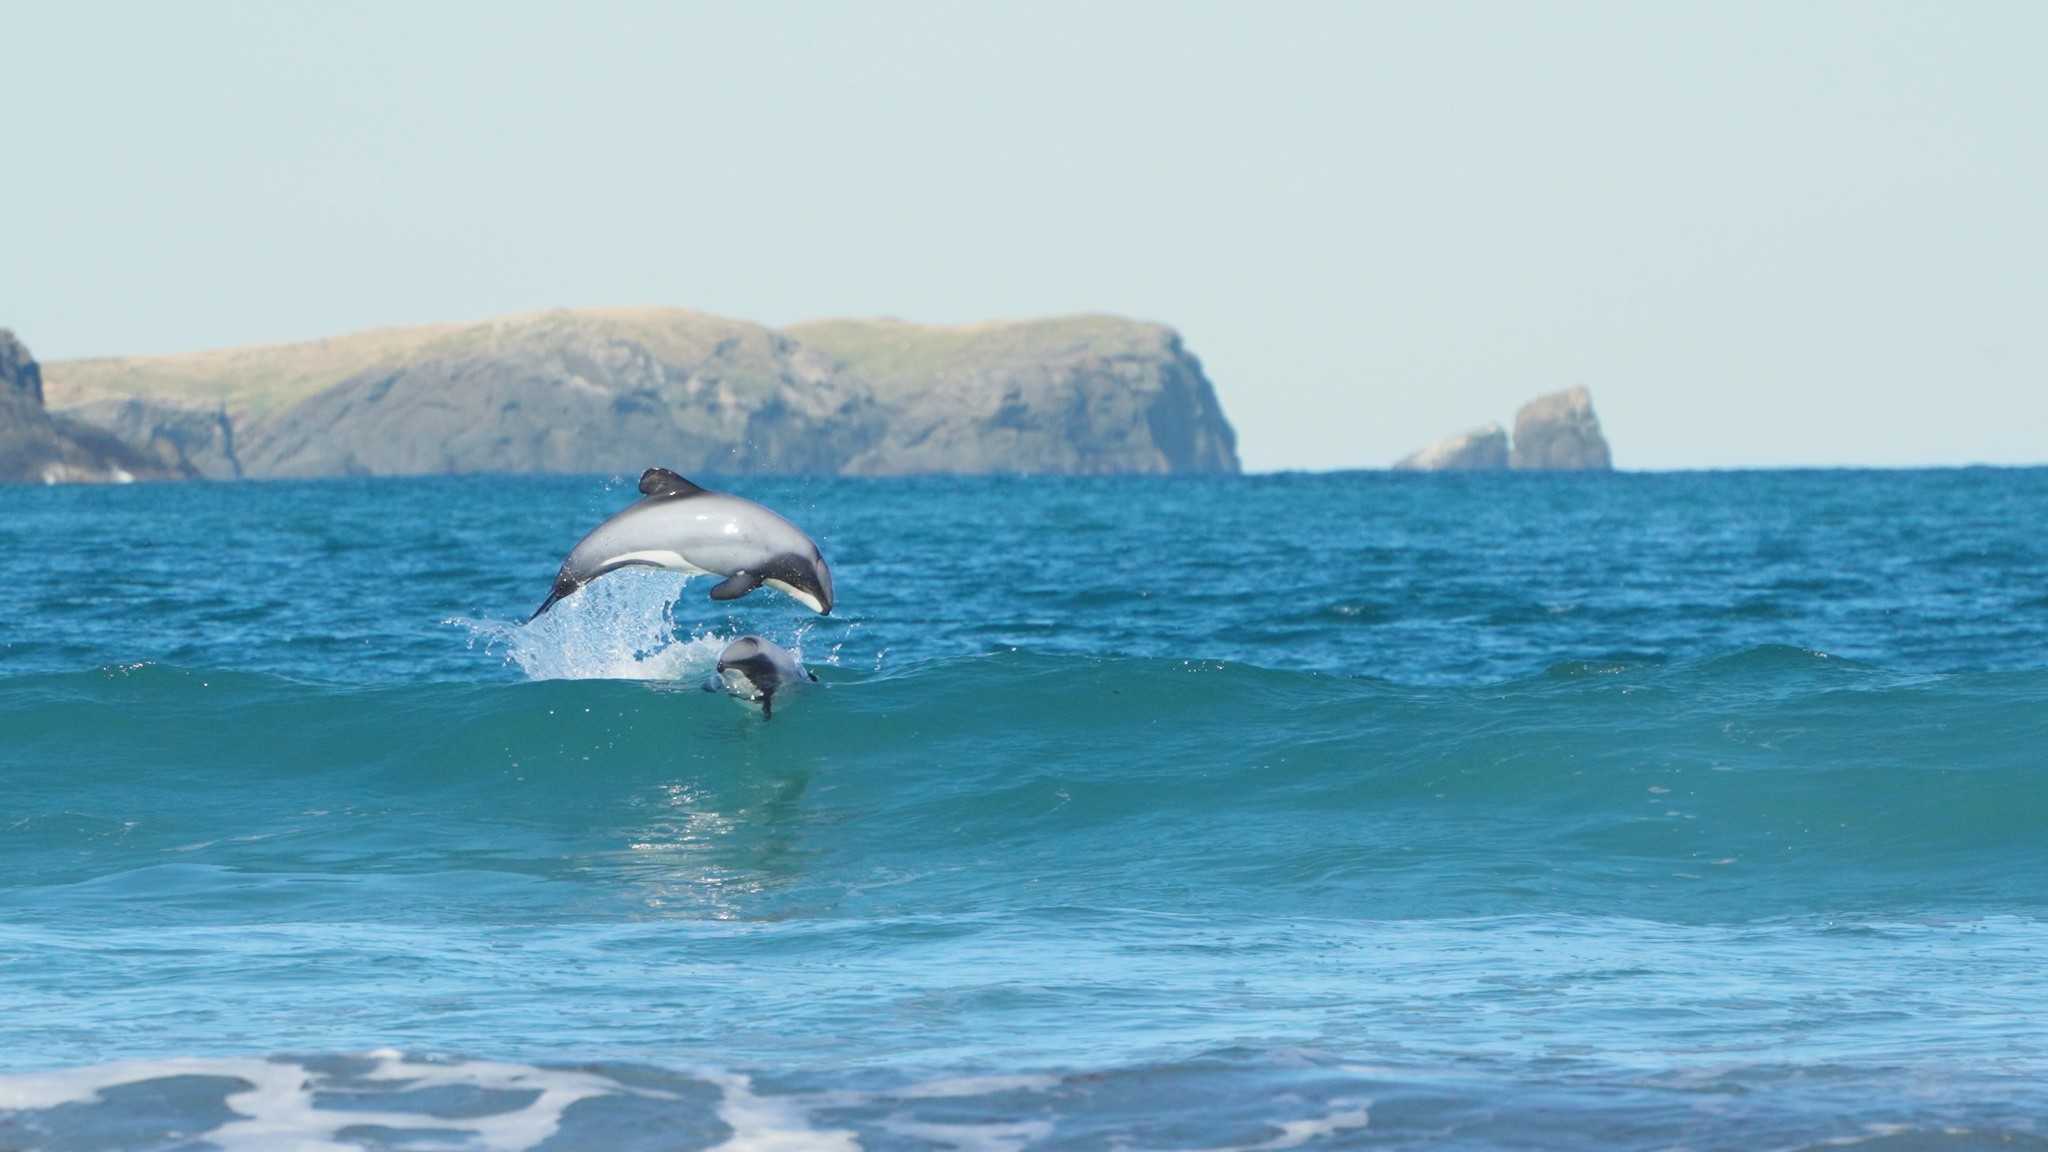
pixel 602 388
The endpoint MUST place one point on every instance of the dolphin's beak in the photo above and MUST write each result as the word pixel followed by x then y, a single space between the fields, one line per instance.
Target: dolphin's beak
pixel 823 591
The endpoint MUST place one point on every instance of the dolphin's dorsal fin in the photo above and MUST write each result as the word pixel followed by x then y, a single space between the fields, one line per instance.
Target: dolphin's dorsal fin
pixel 662 482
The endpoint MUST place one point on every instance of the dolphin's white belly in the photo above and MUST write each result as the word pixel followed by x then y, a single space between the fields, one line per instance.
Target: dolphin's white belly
pixel 661 558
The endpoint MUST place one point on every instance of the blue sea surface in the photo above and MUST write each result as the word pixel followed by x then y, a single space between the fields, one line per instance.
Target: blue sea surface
pixel 1701 811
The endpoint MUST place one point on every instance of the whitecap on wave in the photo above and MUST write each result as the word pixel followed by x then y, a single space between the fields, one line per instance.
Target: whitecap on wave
pixel 387 1099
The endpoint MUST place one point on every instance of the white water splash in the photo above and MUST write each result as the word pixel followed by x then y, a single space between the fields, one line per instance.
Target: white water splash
pixel 627 626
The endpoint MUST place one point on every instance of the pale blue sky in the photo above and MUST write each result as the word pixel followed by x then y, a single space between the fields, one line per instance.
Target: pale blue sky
pixel 1763 234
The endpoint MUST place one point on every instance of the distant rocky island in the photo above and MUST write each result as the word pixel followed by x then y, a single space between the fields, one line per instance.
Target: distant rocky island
pixel 1553 433
pixel 611 390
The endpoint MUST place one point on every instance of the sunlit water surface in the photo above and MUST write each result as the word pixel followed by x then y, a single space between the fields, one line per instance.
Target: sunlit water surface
pixel 1632 811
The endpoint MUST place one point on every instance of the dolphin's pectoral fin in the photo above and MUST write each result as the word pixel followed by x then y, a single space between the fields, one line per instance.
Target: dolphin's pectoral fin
pixel 662 482
pixel 812 675
pixel 735 586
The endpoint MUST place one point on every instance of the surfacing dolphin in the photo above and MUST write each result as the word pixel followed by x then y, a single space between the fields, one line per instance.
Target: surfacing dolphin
pixel 684 528
pixel 755 669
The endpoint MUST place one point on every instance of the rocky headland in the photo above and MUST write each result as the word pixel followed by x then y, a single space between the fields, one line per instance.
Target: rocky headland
pixel 1553 433
pixel 37 447
pixel 610 390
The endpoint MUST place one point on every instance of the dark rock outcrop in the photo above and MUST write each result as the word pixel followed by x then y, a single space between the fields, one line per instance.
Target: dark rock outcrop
pixel 21 378
pixel 35 448
pixel 1560 433
pixel 1480 450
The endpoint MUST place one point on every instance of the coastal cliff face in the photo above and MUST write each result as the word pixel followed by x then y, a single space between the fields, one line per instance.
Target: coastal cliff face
pixel 189 438
pixel 1089 395
pixel 38 448
pixel 555 394
pixel 611 390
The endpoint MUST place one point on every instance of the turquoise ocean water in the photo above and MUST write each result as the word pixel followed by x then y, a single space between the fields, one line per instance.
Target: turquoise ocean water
pixel 1701 811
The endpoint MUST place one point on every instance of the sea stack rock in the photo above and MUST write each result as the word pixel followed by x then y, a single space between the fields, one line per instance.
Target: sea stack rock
pixel 39 450
pixel 1480 450
pixel 1559 433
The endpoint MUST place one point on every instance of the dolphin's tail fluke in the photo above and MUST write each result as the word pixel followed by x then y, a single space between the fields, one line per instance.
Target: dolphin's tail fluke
pixel 564 584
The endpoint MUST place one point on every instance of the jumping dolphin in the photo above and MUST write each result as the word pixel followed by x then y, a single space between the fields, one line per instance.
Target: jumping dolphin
pixel 755 669
pixel 684 528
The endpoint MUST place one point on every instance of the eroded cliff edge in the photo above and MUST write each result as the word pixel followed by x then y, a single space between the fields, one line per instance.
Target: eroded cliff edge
pixel 38 447
pixel 609 390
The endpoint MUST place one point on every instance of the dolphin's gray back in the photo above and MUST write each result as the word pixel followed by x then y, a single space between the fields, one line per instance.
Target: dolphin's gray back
pixel 706 532
pixel 684 528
